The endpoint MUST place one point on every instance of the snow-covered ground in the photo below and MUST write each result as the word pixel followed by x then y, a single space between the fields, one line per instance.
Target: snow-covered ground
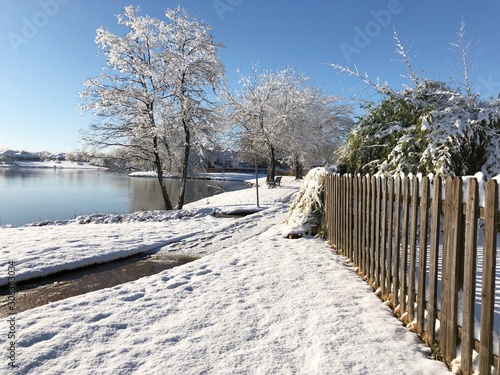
pixel 256 303
pixel 50 164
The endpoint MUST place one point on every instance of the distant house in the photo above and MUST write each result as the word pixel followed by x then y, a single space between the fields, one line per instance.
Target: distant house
pixel 60 157
pixel 7 155
pixel 26 156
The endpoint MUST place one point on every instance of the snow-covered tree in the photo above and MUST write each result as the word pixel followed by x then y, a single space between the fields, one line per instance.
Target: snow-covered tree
pixel 195 74
pixel 153 94
pixel 279 114
pixel 317 128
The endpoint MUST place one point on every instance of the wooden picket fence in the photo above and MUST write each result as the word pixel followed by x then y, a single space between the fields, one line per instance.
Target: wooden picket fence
pixel 417 242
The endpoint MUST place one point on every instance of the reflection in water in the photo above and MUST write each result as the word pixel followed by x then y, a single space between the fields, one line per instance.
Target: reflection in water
pixel 29 195
pixel 146 192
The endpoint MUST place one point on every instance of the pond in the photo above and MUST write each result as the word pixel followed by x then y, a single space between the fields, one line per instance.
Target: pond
pixel 35 194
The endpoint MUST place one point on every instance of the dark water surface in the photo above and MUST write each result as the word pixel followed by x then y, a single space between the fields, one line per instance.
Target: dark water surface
pixel 41 291
pixel 29 195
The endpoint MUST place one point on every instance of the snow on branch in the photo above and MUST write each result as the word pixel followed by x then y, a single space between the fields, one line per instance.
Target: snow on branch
pixel 405 58
pixel 461 47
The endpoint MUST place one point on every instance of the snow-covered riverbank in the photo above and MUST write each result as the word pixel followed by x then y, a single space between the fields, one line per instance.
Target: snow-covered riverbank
pixel 50 164
pixel 256 304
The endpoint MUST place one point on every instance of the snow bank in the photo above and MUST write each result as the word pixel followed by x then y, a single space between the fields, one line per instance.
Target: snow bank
pixel 306 212
pixel 135 217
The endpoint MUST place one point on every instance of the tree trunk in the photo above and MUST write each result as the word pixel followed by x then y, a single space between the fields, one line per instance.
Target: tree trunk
pixel 298 170
pixel 185 163
pixel 272 167
pixel 159 171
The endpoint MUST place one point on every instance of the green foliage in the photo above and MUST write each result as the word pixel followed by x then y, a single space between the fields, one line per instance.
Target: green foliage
pixel 379 132
pixel 428 129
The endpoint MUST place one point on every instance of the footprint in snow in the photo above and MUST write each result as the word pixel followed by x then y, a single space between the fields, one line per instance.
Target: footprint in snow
pixel 203 272
pixel 133 297
pixel 51 249
pixel 176 285
pixel 37 339
pixel 98 317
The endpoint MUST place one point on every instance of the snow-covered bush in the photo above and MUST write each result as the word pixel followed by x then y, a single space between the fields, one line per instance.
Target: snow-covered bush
pixel 427 129
pixel 307 210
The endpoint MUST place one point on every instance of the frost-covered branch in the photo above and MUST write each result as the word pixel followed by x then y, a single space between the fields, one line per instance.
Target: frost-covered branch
pixel 405 58
pixel 383 89
pixel 461 47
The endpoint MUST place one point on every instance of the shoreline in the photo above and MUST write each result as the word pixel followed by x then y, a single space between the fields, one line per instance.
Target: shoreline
pixel 51 165
pixel 208 176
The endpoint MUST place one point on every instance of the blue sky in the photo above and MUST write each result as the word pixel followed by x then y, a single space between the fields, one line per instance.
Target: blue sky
pixel 47 49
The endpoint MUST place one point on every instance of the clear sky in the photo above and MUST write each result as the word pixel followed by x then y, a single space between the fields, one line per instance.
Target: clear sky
pixel 47 49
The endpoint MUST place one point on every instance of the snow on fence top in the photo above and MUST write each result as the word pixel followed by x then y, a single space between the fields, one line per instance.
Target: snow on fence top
pixel 306 213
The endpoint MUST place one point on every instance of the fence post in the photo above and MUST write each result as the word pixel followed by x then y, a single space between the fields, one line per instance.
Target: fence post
pixel 366 215
pixel 396 242
pixel 327 209
pixel 383 233
pixel 404 246
pixel 339 214
pixel 422 265
pixel 470 260
pixel 359 223
pixel 451 266
pixel 376 251
pixel 355 213
pixel 369 238
pixel 413 249
pixel 332 207
pixel 349 212
pixel 335 226
pixel 372 228
pixel 488 289
pixel 344 217
pixel 390 216
pixel 433 259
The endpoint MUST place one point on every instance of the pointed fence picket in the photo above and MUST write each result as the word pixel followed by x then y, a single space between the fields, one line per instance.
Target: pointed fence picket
pixel 418 243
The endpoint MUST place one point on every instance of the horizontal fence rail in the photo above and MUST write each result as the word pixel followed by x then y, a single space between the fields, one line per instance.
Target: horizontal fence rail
pixel 430 248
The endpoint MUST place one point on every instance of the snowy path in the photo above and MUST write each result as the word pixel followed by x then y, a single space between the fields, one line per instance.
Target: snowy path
pixel 264 306
pixel 229 233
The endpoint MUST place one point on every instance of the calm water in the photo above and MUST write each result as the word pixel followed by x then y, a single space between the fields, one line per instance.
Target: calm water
pixel 29 195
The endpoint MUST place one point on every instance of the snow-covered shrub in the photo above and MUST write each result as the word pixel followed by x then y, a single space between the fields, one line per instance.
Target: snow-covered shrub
pixel 428 129
pixel 307 210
